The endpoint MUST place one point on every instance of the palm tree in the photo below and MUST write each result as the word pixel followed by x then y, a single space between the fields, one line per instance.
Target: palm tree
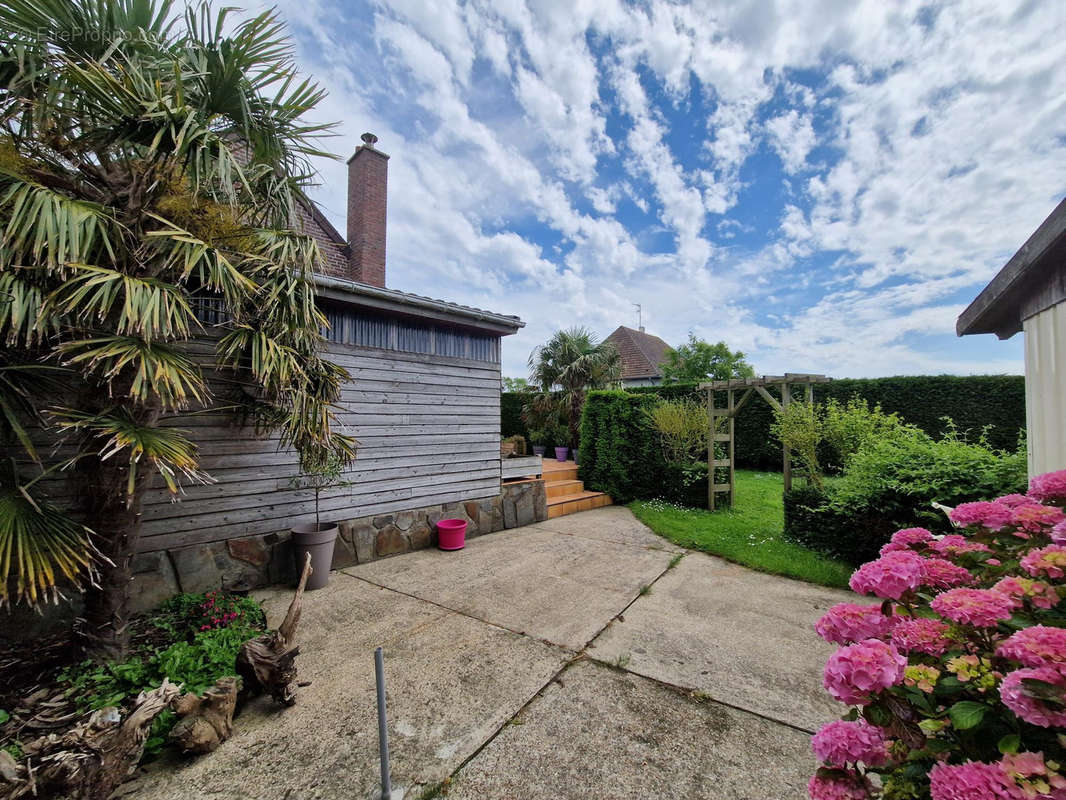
pixel 573 362
pixel 150 167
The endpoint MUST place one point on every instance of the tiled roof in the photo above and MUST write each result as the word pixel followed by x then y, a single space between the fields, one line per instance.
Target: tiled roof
pixel 642 353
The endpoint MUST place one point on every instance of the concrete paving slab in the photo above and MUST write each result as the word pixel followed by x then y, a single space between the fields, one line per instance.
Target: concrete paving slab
pixel 452 681
pixel 611 524
pixel 562 589
pixel 611 735
pixel 741 636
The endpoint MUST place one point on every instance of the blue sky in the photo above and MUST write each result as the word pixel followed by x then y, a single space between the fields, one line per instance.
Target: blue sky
pixel 823 184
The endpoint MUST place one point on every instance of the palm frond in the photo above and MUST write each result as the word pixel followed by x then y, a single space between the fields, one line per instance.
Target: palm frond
pixel 46 228
pixel 146 307
pixel 39 544
pixel 189 256
pixel 23 387
pixel 116 434
pixel 154 371
pixel 23 317
pixel 272 363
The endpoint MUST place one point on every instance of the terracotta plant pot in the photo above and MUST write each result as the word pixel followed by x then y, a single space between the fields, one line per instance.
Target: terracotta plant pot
pixel 318 540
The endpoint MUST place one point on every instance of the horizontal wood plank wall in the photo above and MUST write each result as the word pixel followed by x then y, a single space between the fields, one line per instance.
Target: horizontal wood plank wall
pixel 429 433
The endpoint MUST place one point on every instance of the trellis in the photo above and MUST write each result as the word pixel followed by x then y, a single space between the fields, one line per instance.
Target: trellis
pixel 727 414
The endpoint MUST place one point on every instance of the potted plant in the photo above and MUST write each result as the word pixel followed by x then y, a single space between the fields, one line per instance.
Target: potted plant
pixel 559 434
pixel 539 440
pixel 318 538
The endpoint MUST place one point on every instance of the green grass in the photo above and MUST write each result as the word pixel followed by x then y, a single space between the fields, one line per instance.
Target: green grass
pixel 749 534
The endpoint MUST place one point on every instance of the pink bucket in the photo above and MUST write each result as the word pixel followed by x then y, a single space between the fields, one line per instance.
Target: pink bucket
pixel 451 534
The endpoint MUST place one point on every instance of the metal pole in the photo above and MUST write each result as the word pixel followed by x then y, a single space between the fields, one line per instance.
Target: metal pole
pixel 383 728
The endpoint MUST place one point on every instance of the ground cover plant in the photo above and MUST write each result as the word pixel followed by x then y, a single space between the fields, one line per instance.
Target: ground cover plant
pixel 192 639
pixel 956 677
pixel 749 534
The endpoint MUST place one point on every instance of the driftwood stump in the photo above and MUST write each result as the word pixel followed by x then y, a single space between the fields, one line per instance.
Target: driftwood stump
pixel 267 664
pixel 206 722
pixel 89 761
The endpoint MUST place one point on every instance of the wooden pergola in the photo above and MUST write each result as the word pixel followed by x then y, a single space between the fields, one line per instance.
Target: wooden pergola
pixel 785 385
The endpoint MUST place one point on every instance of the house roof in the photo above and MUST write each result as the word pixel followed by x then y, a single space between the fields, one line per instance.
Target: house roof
pixel 1033 280
pixel 642 353
pixel 335 253
pixel 414 305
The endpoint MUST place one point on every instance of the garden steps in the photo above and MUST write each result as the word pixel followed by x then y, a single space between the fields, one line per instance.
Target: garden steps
pixel 566 493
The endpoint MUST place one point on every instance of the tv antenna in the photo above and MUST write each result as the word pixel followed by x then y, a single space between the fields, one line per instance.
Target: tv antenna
pixel 640 317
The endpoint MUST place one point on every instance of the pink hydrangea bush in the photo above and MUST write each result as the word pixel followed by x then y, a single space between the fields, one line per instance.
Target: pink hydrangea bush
pixel 957 679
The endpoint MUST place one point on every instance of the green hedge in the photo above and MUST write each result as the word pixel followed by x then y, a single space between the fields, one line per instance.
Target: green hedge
pixel 511 414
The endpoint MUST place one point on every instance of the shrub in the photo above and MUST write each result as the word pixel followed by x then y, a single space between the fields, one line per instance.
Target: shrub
pixel 620 452
pixel 892 483
pixel 799 426
pixel 956 677
pixel 683 427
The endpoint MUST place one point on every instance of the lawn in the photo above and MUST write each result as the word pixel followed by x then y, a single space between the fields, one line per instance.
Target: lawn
pixel 749 534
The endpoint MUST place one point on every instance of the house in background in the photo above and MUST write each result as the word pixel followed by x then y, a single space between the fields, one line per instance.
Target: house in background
pixel 1029 295
pixel 423 402
pixel 642 356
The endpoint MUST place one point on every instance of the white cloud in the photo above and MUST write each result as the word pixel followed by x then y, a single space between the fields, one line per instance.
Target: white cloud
pixel 946 143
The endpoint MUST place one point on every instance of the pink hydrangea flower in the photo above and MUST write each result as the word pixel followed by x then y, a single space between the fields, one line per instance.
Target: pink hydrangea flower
pixel 1034 517
pixel 839 785
pixel 983 608
pixel 1029 770
pixel 1032 709
pixel 891 576
pixel 972 781
pixel 849 622
pixel 904 539
pixel 1050 561
pixel 953 544
pixel 1012 500
pixel 1049 486
pixel 1038 646
pixel 919 635
pixel 1058 533
pixel 856 672
pixel 984 513
pixel 841 743
pixel 942 574
pixel 1038 593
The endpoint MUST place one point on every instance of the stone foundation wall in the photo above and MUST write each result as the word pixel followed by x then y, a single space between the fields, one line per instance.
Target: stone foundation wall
pixel 263 560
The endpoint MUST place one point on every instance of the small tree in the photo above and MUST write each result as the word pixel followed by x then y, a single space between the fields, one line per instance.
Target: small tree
pixel 319 476
pixel 698 360
pixel 573 362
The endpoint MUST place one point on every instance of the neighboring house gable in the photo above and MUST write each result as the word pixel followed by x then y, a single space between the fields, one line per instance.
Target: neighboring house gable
pixel 642 356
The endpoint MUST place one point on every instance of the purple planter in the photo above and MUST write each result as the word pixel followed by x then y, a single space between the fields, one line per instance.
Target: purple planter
pixel 539 450
pixel 561 453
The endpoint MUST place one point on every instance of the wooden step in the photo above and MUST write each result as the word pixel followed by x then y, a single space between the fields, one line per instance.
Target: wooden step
pixel 559 488
pixel 579 501
pixel 553 470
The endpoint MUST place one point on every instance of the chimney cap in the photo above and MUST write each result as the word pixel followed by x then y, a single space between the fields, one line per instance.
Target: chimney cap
pixel 369 139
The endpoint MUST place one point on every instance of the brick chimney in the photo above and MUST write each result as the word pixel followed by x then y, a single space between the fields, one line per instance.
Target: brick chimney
pixel 368 173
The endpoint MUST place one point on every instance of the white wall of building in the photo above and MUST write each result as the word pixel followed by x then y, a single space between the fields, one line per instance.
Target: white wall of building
pixel 1045 389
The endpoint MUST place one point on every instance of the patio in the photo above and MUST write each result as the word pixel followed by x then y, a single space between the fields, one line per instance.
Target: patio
pixel 534 663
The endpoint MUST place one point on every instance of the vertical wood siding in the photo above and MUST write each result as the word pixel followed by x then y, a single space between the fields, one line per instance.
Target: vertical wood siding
pixel 1045 389
pixel 429 432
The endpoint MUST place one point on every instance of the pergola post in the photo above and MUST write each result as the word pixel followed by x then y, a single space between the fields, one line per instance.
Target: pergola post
pixel 730 411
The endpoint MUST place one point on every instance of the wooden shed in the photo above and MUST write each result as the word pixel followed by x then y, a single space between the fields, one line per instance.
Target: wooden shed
pixel 1029 295
pixel 423 401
